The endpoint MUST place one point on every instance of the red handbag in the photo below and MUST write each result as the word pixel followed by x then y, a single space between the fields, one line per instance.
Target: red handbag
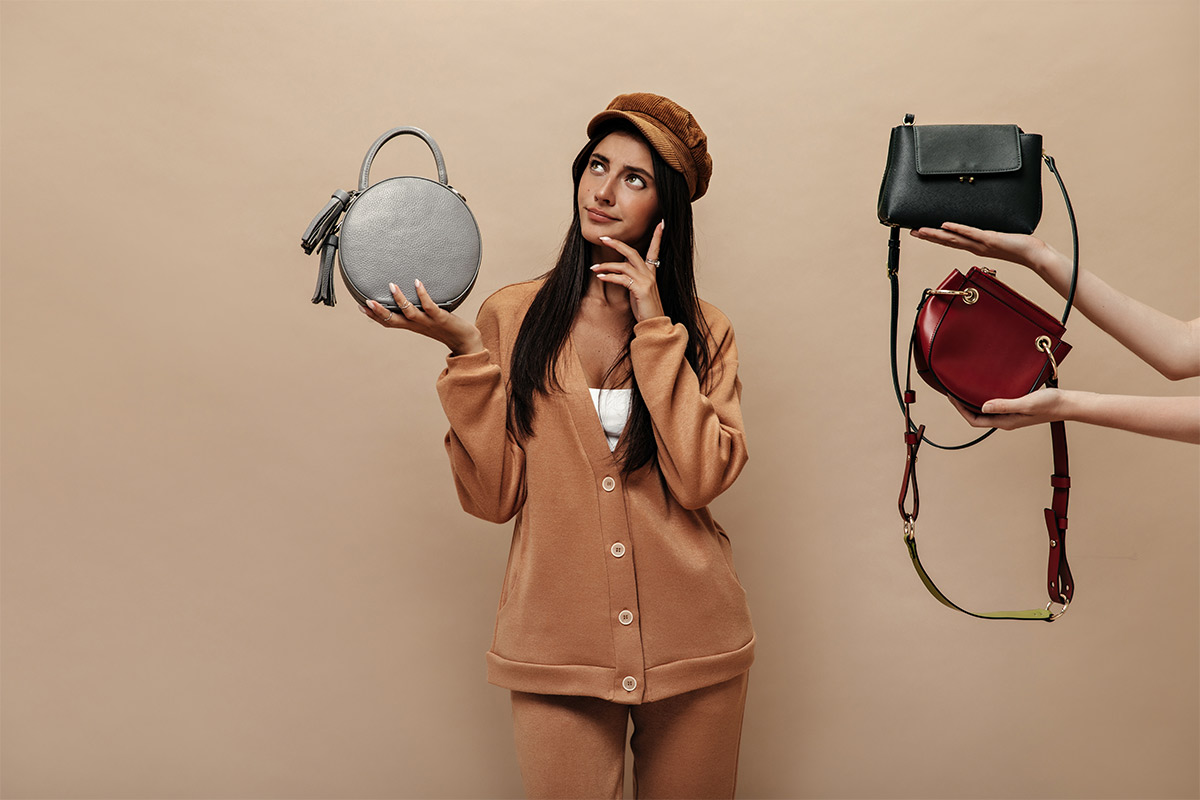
pixel 976 339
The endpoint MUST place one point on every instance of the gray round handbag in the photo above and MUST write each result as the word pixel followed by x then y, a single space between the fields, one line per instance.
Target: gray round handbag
pixel 395 231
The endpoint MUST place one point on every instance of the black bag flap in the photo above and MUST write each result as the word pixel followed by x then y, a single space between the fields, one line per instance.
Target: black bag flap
pixel 967 149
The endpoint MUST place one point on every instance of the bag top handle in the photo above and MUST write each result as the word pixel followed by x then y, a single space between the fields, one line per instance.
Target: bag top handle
pixel 364 178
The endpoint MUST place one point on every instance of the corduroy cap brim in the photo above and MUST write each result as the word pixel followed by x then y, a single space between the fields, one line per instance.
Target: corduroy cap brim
pixel 670 129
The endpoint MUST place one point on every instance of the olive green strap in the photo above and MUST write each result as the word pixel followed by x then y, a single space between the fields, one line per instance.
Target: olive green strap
pixel 1060 584
pixel 1032 614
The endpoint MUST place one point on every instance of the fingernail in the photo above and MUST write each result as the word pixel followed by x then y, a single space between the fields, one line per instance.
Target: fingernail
pixel 595 267
pixel 418 284
pixel 393 287
pixel 604 238
pixel 364 310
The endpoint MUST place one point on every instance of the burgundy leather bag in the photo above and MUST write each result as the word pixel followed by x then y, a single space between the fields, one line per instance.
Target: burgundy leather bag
pixel 977 339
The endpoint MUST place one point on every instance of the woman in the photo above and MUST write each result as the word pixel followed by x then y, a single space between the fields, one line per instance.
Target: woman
pixel 599 405
pixel 1169 345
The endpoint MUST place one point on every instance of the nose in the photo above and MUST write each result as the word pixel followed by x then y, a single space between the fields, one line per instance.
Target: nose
pixel 604 190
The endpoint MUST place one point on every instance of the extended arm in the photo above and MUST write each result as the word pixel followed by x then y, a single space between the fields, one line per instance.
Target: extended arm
pixel 1175 418
pixel 1169 345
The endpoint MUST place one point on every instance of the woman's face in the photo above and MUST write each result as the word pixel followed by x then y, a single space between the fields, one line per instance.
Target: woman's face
pixel 617 196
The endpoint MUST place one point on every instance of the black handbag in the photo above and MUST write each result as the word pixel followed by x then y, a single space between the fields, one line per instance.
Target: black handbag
pixel 970 327
pixel 395 231
pixel 985 176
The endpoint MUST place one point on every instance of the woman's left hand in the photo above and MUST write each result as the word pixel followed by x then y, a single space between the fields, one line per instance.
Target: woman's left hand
pixel 637 274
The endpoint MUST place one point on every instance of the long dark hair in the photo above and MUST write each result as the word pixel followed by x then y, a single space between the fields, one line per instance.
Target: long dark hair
pixel 548 322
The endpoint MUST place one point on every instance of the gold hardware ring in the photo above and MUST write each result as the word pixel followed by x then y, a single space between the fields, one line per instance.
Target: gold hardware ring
pixel 1056 614
pixel 1044 344
pixel 969 295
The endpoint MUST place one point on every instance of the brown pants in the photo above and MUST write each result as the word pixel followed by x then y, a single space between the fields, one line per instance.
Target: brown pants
pixel 683 746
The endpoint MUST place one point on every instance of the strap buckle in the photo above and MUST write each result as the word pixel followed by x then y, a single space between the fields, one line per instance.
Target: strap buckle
pixel 1056 614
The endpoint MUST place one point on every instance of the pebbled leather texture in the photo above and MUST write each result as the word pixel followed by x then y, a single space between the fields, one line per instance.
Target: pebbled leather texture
pixel 999 167
pixel 986 349
pixel 408 228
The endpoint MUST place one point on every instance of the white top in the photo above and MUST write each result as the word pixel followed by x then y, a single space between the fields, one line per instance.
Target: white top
pixel 612 406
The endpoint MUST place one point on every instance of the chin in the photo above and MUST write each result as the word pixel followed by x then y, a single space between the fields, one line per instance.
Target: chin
pixel 590 233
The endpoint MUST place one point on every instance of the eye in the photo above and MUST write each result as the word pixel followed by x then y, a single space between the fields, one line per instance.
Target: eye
pixel 596 166
pixel 637 180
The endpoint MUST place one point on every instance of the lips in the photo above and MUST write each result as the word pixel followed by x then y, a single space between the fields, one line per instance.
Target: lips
pixel 596 215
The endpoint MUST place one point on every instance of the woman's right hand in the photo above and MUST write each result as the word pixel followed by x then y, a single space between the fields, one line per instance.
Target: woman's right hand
pixel 460 336
pixel 1018 248
pixel 1043 405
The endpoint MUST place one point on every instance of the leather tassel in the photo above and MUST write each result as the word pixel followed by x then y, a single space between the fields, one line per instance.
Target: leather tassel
pixel 324 292
pixel 324 221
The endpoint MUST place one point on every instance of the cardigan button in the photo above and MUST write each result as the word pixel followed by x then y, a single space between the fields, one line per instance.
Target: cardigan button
pixel 608 483
pixel 629 684
pixel 626 617
pixel 618 550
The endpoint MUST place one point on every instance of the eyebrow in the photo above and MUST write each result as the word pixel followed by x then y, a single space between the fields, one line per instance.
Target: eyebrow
pixel 628 167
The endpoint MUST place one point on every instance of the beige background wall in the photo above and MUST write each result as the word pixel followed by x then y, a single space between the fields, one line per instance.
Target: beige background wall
pixel 233 562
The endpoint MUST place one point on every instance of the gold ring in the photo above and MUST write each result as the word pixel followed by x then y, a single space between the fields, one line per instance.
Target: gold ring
pixel 1056 614
pixel 406 305
pixel 389 317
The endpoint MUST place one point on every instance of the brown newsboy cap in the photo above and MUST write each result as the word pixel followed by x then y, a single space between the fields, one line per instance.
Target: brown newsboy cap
pixel 670 129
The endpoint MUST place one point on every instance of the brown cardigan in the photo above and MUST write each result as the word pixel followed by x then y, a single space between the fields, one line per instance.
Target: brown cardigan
pixel 615 588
